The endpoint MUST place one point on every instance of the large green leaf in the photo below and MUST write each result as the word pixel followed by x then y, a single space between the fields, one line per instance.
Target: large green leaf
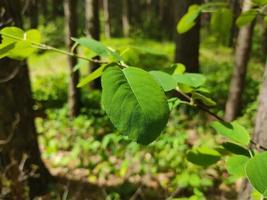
pixel 98 48
pixel 233 131
pixel 190 79
pixel 134 102
pixel 246 17
pixel 203 156
pixel 166 81
pixel 188 20
pixel 236 165
pixel 256 169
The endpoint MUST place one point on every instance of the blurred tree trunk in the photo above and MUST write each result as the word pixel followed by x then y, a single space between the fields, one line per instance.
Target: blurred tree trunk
pixel 18 137
pixel 125 18
pixel 242 54
pixel 260 131
pixel 33 13
pixel 264 38
pixel 57 8
pixel 187 44
pixel 115 10
pixel 93 30
pixel 106 18
pixel 44 9
pixel 236 10
pixel 74 99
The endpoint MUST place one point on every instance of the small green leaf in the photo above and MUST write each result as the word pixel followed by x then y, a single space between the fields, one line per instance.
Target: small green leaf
pixel 179 68
pixel 166 81
pixel 235 165
pixel 4 49
pixel 98 48
pixel 203 156
pixel 22 40
pixel 188 20
pixel 134 102
pixel 246 17
pixel 190 79
pixel 233 131
pixel 94 75
pixel 256 169
pixel 236 149
pixel 205 100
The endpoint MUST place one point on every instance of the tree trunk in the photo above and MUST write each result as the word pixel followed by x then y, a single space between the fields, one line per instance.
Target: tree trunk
pixel 260 130
pixel 44 10
pixel 125 18
pixel 18 137
pixel 74 99
pixel 106 18
pixel 33 13
pixel 236 10
pixel 242 54
pixel 93 30
pixel 264 38
pixel 187 44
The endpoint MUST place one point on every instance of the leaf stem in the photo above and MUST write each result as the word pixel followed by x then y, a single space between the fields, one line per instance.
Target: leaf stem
pixel 51 48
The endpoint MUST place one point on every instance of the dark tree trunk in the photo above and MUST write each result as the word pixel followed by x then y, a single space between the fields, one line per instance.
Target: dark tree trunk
pixel 260 131
pixel 57 8
pixel 74 99
pixel 115 10
pixel 236 10
pixel 242 54
pixel 106 18
pixel 125 18
pixel 187 44
pixel 18 137
pixel 33 13
pixel 44 10
pixel 93 30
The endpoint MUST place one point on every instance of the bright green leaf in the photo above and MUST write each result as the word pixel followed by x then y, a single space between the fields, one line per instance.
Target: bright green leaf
pixel 4 49
pixel 205 100
pixel 188 20
pixel 94 75
pixel 233 131
pixel 256 169
pixel 190 79
pixel 260 2
pixel 134 102
pixel 98 48
pixel 203 156
pixel 179 68
pixel 235 165
pixel 246 17
pixel 166 81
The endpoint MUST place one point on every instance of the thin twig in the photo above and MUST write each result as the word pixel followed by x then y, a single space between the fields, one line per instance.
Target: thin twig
pixel 47 47
pixel 205 109
pixel 11 75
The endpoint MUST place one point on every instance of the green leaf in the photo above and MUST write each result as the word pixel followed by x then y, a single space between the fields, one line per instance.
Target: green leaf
pixel 235 165
pixel 190 79
pixel 22 40
pixel 260 2
pixel 246 17
pixel 4 49
pixel 188 20
pixel 205 100
pixel 203 156
pixel 256 169
pixel 134 102
pixel 236 149
pixel 98 48
pixel 233 131
pixel 94 75
pixel 166 81
pixel 179 68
